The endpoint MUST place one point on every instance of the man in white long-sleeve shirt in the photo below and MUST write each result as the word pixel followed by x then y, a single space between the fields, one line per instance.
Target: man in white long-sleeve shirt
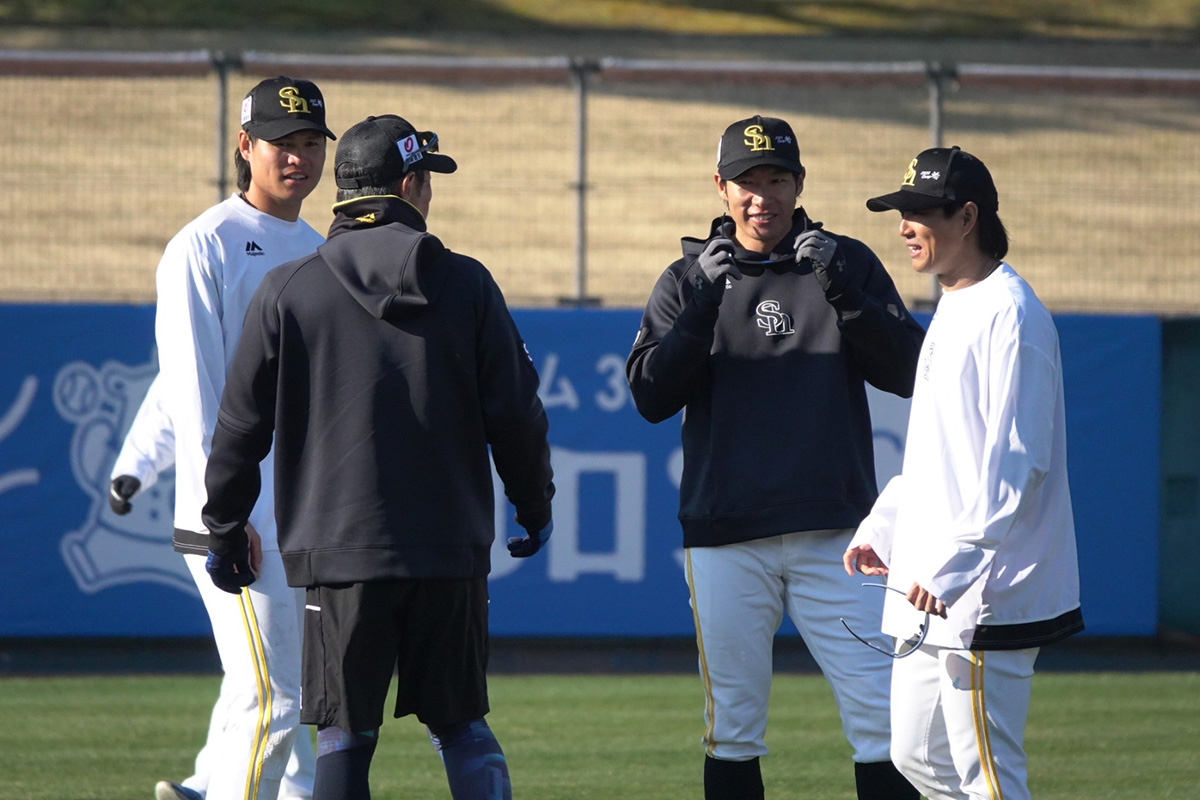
pixel 147 451
pixel 976 535
pixel 206 277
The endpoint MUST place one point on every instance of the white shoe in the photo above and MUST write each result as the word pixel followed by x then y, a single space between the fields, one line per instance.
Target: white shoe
pixel 166 790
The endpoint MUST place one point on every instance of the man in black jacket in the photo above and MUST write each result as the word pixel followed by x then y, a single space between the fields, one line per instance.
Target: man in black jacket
pixel 764 334
pixel 385 366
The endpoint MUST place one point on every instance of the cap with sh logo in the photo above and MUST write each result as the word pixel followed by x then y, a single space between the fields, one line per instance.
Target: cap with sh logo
pixel 280 106
pixel 755 142
pixel 941 176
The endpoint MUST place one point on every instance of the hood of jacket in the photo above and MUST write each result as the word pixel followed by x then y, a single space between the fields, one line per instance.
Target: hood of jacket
pixel 780 259
pixel 380 251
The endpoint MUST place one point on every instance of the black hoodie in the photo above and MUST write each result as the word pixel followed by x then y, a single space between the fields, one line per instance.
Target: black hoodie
pixel 385 365
pixel 776 432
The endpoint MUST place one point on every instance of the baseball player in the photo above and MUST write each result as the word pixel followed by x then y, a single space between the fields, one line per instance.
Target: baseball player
pixel 205 280
pixel 764 333
pixel 976 535
pixel 384 367
pixel 147 451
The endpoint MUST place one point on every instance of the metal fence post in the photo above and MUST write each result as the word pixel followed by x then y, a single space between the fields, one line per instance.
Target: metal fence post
pixel 939 76
pixel 581 69
pixel 221 64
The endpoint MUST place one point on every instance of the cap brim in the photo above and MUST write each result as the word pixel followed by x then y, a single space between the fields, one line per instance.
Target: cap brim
pixel 731 171
pixel 907 201
pixel 436 162
pixel 280 128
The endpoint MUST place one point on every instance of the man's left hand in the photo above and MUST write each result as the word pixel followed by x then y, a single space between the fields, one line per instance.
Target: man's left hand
pixel 820 250
pixel 924 600
pixel 525 546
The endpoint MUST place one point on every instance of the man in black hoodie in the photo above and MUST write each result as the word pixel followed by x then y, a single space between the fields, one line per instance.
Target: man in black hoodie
pixel 764 334
pixel 385 366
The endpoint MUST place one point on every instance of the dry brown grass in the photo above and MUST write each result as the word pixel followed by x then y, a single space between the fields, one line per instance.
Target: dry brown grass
pixel 1097 191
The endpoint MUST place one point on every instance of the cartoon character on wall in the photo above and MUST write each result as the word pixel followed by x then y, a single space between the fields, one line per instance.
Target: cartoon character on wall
pixel 109 550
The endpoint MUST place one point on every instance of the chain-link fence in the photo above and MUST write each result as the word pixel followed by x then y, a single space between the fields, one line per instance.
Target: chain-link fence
pixel 577 178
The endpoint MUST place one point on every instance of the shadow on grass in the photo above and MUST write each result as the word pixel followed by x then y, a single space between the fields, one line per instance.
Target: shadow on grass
pixel 562 655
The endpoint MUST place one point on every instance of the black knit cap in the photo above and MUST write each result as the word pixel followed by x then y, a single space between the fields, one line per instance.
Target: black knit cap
pixel 380 150
pixel 280 106
pixel 941 176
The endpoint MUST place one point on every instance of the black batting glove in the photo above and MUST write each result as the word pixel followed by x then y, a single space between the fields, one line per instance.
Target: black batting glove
pixel 716 264
pixel 230 572
pixel 122 488
pixel 525 546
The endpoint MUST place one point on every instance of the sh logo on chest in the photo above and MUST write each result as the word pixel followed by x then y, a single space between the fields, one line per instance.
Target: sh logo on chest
pixel 772 320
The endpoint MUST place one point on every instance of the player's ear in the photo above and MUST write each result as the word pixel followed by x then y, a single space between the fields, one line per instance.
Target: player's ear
pixel 244 143
pixel 970 217
pixel 720 186
pixel 800 181
pixel 406 186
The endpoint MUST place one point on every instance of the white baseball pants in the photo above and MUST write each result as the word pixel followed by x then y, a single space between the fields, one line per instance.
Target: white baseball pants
pixel 958 722
pixel 259 750
pixel 739 593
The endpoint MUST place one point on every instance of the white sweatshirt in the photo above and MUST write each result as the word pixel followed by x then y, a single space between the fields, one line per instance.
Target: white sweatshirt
pixel 149 446
pixel 980 514
pixel 205 279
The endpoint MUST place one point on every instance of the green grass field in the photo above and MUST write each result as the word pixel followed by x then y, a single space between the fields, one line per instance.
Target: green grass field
pixel 1174 19
pixel 1100 736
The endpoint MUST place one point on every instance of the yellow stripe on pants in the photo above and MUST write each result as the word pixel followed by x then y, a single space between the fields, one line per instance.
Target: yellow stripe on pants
pixel 262 726
pixel 709 705
pixel 982 737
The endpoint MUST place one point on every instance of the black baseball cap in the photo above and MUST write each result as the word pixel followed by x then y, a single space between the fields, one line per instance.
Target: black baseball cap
pixel 940 177
pixel 279 106
pixel 754 142
pixel 381 149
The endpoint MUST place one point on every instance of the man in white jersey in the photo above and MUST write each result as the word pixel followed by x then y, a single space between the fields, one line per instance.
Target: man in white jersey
pixel 206 277
pixel 976 536
pixel 147 451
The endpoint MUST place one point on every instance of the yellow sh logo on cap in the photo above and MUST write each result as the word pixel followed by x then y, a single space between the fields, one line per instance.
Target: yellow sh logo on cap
pixel 291 100
pixel 910 177
pixel 755 139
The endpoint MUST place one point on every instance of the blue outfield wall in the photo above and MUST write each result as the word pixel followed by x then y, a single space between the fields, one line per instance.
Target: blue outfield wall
pixel 74 375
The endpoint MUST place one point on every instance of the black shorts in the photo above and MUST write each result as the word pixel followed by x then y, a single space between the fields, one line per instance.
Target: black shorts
pixel 432 633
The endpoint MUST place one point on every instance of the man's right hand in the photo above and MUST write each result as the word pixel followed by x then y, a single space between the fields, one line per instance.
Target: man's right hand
pixel 122 488
pixel 716 264
pixel 864 559
pixel 232 571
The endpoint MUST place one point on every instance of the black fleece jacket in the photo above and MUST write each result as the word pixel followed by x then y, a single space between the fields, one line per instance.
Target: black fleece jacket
pixel 776 428
pixel 385 365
